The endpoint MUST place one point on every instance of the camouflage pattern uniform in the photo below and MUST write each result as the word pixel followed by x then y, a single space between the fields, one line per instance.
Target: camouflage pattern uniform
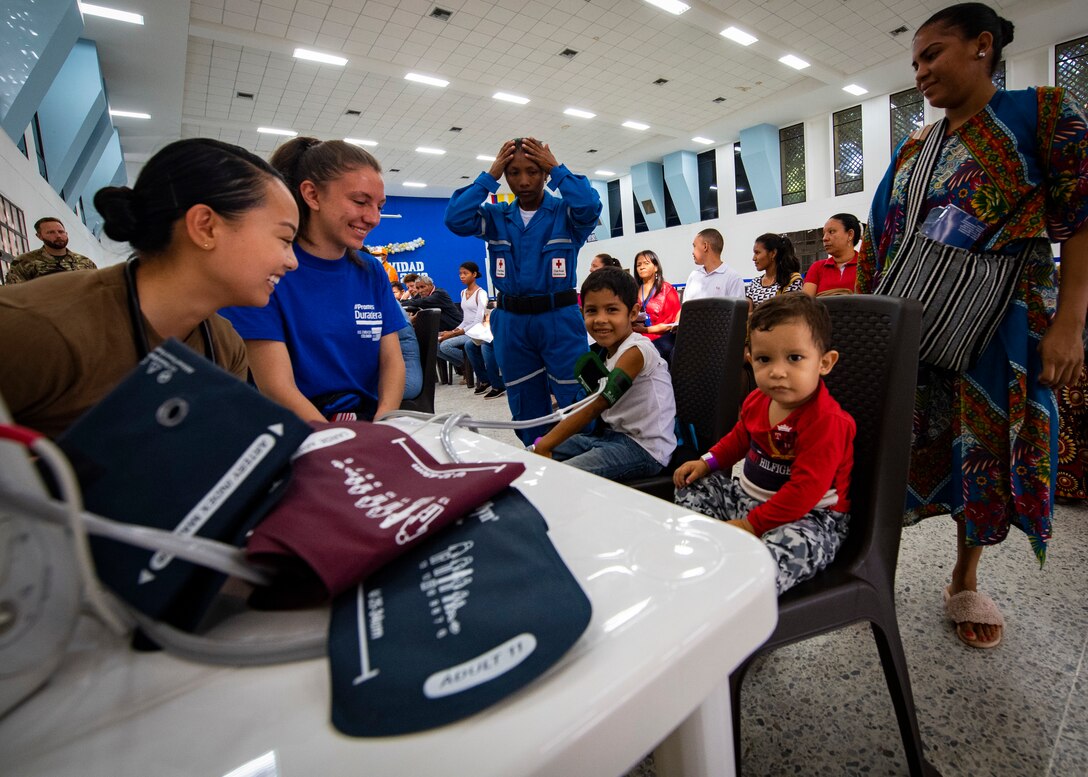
pixel 34 264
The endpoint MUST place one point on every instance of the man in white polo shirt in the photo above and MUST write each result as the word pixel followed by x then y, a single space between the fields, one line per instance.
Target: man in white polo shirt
pixel 711 278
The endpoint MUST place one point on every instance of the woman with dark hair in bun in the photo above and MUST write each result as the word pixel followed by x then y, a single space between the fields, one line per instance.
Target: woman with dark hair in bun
pixel 327 347
pixel 837 274
pixel 211 225
pixel 1012 169
pixel 774 256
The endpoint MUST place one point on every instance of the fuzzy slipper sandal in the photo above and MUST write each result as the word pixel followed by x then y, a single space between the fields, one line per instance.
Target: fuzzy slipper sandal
pixel 973 607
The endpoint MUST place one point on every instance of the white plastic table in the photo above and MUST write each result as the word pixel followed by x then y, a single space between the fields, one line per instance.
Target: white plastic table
pixel 679 601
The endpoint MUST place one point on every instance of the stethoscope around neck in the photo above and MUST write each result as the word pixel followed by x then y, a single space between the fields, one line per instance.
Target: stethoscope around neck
pixel 136 317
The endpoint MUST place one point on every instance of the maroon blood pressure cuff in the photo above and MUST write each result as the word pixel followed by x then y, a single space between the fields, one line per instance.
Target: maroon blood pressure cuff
pixel 362 494
pixel 457 624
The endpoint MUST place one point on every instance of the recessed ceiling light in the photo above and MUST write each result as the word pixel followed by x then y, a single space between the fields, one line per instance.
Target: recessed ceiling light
pixel 738 36
pixel 485 158
pixel 704 141
pixel 317 56
pixel 510 98
pixel 795 62
pixel 425 150
pixel 130 114
pixel 111 13
pixel 579 113
pixel 603 172
pixel 674 7
pixel 855 90
pixel 360 142
pixel 429 80
pixel 636 125
pixel 415 185
pixel 274 131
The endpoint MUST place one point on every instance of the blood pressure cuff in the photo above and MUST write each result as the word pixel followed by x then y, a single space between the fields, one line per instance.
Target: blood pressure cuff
pixel 590 370
pixel 460 622
pixel 362 494
pixel 184 446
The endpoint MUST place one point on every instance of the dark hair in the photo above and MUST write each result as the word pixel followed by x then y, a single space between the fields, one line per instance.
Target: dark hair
pixel 849 223
pixel 614 279
pixel 607 260
pixel 794 307
pixel 45 220
pixel 397 285
pixel 714 239
pixel 973 19
pixel 659 276
pixel 410 278
pixel 195 171
pixel 786 263
pixel 472 267
pixel 320 161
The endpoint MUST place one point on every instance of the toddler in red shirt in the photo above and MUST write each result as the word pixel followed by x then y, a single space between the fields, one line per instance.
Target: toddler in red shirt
pixel 796 441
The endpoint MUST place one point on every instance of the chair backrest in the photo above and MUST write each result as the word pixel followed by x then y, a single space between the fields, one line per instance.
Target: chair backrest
pixel 426 326
pixel 874 381
pixel 706 368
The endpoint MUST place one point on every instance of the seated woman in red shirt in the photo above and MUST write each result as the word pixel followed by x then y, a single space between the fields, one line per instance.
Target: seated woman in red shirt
pixel 659 301
pixel 836 274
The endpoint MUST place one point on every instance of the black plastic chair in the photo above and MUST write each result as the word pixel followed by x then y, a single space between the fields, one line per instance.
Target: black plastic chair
pixel 874 380
pixel 426 326
pixel 706 365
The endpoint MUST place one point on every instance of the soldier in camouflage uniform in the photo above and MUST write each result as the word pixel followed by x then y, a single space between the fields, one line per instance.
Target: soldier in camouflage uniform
pixel 52 257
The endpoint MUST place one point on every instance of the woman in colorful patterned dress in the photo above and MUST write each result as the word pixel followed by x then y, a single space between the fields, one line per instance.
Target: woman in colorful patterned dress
pixel 985 440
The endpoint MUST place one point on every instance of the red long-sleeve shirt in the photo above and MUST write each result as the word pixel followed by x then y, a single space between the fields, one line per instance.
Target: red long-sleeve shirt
pixel 797 462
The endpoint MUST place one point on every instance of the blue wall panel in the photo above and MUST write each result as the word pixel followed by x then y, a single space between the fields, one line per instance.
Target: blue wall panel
pixel 761 152
pixel 110 171
pixel 648 183
pixel 442 252
pixel 682 177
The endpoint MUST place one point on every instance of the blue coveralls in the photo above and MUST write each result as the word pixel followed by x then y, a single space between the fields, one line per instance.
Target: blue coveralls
pixel 536 352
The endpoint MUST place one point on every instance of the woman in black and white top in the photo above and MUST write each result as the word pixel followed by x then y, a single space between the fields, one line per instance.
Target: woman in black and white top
pixel 473 305
pixel 774 255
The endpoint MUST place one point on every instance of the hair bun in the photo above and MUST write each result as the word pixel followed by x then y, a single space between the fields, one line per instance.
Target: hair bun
pixel 1007 29
pixel 116 205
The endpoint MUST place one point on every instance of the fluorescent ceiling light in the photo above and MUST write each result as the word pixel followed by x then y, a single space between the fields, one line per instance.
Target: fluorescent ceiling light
pixel 603 172
pixel 485 158
pixel 713 187
pixel 674 7
pixel 130 114
pixel 636 125
pixel 111 13
pixel 738 36
pixel 415 185
pixel 274 131
pixel 579 113
pixel 425 150
pixel 429 80
pixel 317 56
pixel 855 90
pixel 360 142
pixel 795 62
pixel 704 141
pixel 510 98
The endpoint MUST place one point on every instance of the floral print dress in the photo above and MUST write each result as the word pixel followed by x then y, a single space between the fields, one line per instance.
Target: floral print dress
pixel 985 441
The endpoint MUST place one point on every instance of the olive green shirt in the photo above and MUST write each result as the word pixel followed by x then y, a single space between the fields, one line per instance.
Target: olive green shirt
pixel 34 264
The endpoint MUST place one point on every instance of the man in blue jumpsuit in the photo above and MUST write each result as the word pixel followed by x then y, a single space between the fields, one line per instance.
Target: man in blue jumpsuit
pixel 533 245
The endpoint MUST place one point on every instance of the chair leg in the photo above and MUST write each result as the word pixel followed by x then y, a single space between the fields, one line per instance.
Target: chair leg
pixel 735 681
pixel 894 662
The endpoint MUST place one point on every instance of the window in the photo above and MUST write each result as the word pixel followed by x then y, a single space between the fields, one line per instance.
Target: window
pixel 22 145
pixel 615 215
pixel 708 185
pixel 1071 67
pixel 849 160
pixel 13 240
pixel 640 220
pixel 907 114
pixel 39 148
pixel 672 218
pixel 792 150
pixel 999 75
pixel 746 203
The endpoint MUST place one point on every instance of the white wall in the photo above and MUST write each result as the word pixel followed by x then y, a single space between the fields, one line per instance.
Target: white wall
pixel 673 245
pixel 21 183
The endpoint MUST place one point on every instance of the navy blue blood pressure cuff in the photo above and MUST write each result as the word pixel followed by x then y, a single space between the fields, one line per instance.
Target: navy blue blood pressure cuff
pixel 455 625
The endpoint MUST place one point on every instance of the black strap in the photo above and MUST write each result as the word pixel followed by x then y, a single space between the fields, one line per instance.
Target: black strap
pixel 136 318
pixel 539 304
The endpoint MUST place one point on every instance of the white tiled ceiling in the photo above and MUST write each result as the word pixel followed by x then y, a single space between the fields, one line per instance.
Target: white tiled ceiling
pixel 514 46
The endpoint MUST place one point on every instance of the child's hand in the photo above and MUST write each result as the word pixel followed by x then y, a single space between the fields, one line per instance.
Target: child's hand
pixel 543 452
pixel 742 523
pixel 502 159
pixel 539 153
pixel 690 471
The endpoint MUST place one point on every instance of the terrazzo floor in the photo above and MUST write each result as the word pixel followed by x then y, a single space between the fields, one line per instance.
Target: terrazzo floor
pixel 1021 710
